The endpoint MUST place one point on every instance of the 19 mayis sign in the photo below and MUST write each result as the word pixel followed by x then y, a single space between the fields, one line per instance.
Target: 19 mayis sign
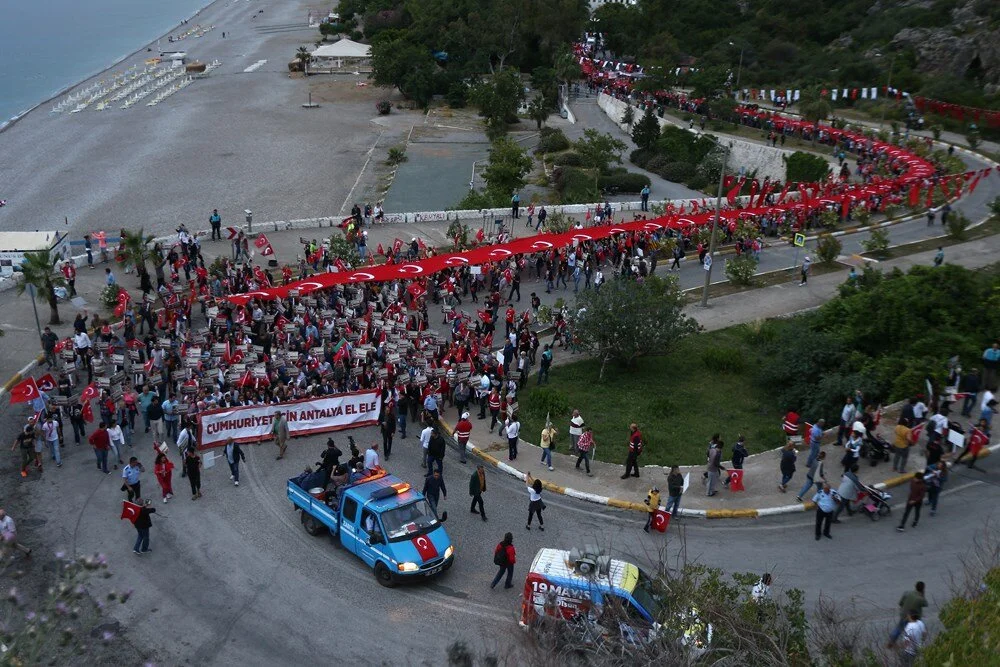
pixel 313 415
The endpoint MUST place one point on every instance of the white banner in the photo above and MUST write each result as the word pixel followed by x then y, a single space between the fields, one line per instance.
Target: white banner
pixel 314 415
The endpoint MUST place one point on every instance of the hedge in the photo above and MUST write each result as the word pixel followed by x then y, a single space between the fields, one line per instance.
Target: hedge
pixel 678 172
pixel 628 182
pixel 805 168
pixel 552 141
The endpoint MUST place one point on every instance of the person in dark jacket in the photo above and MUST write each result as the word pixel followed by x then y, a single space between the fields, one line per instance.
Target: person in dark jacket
pixel 504 557
pixel 739 455
pixel 918 489
pixel 192 465
pixel 435 451
pixel 434 488
pixel 329 459
pixel 142 525
pixel 675 488
pixel 234 454
pixel 477 486
pixel 788 457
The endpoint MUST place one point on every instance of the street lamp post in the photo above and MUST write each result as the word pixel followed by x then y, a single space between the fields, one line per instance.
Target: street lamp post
pixel 888 84
pixel 739 70
pixel 715 226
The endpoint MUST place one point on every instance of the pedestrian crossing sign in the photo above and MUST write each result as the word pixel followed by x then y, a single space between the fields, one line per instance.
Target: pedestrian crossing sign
pixel 800 240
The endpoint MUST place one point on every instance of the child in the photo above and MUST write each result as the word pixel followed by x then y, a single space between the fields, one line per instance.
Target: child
pixel 653 503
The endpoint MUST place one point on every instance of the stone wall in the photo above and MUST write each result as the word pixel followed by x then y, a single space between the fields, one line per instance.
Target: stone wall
pixel 745 157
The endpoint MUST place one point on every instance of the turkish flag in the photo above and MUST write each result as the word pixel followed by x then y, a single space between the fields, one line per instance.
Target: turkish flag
pixel 260 241
pixel 267 251
pixel 397 245
pixel 119 310
pixel 148 366
pixel 89 392
pixel 261 277
pixel 47 382
pixel 61 345
pixel 136 344
pixel 416 291
pixel 233 232
pixel 736 480
pixel 914 195
pixel 661 519
pixel 845 207
pixel 130 511
pixel 916 431
pixel 87 412
pixel 380 250
pixel 425 547
pixel 123 297
pixel 480 236
pixel 24 391
pixel 977 440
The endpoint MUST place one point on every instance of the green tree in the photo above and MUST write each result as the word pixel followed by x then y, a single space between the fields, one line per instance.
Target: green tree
pixel 971 625
pixel 39 271
pixel 814 107
pixel 137 250
pixel 399 61
pixel 628 117
pixel 538 111
pixel 647 131
pixel 599 150
pixel 627 319
pixel 801 167
pixel 303 56
pixel 567 67
pixel 509 164
pixel 543 79
pixel 708 81
pixel 342 249
pixel 498 97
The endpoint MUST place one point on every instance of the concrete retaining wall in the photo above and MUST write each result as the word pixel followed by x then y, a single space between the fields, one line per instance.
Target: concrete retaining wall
pixel 748 156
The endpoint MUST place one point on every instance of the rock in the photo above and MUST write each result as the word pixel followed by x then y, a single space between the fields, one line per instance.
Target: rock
pixel 942 53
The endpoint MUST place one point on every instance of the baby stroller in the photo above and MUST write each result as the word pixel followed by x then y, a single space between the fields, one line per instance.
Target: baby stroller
pixel 871 501
pixel 878 448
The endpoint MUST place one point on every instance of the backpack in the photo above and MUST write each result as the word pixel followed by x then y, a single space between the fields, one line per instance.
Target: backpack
pixel 500 556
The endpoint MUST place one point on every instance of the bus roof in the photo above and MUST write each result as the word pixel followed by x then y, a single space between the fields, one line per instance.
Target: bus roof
pixel 555 563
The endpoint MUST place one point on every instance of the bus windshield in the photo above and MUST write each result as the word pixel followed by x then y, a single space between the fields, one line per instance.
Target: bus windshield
pixel 408 521
pixel 646 596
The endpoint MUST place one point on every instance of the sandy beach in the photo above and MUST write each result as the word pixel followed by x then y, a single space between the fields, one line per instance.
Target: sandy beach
pixel 235 140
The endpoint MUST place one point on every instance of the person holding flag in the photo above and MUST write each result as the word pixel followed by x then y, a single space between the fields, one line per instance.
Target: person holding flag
pixel 976 441
pixel 653 503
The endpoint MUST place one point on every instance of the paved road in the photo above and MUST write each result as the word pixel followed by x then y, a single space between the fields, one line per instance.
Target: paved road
pixel 234 579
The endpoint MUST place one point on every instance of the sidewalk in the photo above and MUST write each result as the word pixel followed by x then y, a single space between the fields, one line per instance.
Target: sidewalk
pixel 762 496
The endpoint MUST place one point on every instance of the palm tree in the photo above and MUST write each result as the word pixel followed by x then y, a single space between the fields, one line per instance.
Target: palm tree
pixel 136 250
pixel 39 270
pixel 538 110
pixel 303 56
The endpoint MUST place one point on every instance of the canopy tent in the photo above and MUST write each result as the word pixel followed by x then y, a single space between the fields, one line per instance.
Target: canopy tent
pixel 345 48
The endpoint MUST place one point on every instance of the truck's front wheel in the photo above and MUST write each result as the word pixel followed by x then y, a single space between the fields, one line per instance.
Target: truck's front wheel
pixel 383 575
pixel 312 526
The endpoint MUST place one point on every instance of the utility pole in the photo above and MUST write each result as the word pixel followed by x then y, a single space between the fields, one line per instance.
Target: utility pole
pixel 888 84
pixel 715 225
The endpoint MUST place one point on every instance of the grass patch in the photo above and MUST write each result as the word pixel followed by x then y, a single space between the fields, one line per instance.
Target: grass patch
pixel 677 400
pixel 988 228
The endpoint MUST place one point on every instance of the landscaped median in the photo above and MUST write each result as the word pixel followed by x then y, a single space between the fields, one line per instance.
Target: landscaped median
pixel 655 472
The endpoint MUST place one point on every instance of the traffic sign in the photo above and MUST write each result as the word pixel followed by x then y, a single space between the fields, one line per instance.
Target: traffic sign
pixel 800 240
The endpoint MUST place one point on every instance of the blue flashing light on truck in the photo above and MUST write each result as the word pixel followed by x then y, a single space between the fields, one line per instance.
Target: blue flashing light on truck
pixel 383 522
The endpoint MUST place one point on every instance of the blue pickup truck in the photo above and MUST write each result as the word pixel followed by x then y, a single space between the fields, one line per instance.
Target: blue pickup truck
pixel 383 522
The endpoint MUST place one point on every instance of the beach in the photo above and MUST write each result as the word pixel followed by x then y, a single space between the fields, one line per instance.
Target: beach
pixel 234 140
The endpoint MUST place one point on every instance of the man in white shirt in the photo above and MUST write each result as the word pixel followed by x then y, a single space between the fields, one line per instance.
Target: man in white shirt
pixel 575 428
pixel 914 636
pixel 425 443
pixel 51 432
pixel 513 429
pixel 8 533
pixel 846 419
pixel 371 457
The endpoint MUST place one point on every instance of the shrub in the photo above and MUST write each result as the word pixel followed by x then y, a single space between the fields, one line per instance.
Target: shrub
pixel 698 182
pixel 396 156
pixel 624 182
pixel 640 157
pixel 829 219
pixel 828 248
pixel 457 95
pixel 678 172
pixel 741 270
pixel 553 141
pixel 109 296
pixel 723 360
pixel 568 159
pixel 877 244
pixel 957 224
pixel 657 163
pixel 383 107
pixel 576 186
pixel 890 210
pixel 862 215
pixel 805 168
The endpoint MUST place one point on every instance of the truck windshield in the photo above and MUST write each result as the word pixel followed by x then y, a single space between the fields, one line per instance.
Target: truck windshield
pixel 646 596
pixel 408 521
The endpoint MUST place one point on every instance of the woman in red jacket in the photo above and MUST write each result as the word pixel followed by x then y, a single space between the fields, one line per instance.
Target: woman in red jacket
pixel 163 469
pixel 504 557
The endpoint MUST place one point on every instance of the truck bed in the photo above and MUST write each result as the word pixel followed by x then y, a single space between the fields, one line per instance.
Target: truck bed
pixel 315 508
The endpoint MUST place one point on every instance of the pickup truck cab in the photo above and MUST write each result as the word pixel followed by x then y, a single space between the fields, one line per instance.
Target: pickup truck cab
pixel 382 521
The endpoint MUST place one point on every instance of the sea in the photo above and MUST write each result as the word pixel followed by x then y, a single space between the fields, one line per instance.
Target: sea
pixel 47 46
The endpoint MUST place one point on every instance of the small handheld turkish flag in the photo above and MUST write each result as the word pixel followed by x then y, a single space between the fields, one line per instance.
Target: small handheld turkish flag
pixel 87 413
pixel 916 431
pixel 260 241
pixel 130 511
pixel 661 519
pixel 89 392
pixel 736 480
pixel 267 251
pixel 425 547
pixel 977 440
pixel 47 382
pixel 24 391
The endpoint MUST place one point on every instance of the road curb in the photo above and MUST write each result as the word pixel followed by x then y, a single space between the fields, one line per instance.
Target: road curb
pixel 741 513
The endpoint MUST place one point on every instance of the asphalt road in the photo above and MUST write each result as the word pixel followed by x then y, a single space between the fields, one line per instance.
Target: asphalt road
pixel 234 578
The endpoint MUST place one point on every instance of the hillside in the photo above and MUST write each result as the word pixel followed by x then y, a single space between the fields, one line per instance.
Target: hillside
pixel 945 49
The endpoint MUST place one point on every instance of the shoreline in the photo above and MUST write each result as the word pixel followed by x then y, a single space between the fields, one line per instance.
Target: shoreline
pixel 10 122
